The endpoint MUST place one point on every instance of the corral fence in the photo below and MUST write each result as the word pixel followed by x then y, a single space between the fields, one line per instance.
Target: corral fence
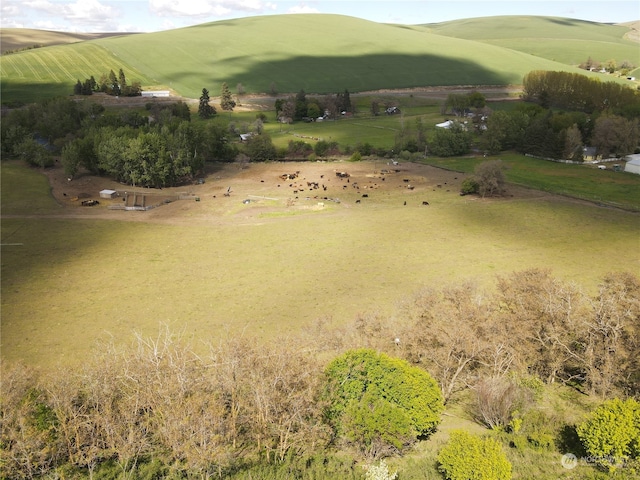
pixel 143 201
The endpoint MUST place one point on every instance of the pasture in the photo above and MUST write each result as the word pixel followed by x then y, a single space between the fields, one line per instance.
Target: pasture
pixel 74 276
pixel 53 71
pixel 565 40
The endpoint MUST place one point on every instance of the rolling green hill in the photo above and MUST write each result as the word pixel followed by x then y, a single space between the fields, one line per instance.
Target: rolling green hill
pixel 317 53
pixel 12 39
pixel 564 40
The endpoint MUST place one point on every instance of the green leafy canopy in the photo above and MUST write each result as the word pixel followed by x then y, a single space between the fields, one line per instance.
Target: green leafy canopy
pixel 376 399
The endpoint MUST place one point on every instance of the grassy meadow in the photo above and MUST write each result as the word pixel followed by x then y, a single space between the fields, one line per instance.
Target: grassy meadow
pixel 317 53
pixel 541 36
pixel 70 282
pixel 53 71
pixel 617 189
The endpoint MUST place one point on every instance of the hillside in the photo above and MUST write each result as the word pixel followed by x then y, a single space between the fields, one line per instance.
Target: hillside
pixel 12 39
pixel 564 40
pixel 316 53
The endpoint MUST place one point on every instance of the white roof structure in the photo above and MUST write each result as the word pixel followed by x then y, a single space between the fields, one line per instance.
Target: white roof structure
pixel 447 124
pixel 156 93
pixel 107 193
pixel 633 164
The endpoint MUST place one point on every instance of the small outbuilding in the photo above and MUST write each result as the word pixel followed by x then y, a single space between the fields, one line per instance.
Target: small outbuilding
pixel 633 164
pixel 156 93
pixel 108 194
pixel 448 124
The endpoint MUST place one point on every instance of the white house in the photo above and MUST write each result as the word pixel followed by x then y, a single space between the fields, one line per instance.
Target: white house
pixel 633 164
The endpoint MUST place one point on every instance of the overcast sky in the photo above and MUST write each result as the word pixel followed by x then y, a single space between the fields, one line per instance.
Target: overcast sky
pixel 154 15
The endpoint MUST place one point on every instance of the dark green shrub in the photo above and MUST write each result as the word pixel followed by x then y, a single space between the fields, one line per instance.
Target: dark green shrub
pixel 469 186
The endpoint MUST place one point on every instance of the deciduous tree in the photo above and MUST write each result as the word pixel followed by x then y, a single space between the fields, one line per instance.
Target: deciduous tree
pixel 380 404
pixel 490 178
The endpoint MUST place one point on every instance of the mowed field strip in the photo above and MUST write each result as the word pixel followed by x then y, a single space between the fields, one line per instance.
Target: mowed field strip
pixel 217 267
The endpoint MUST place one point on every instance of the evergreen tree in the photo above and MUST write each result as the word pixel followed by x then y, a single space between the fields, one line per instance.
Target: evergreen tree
pixel 204 109
pixel 87 88
pixel 226 100
pixel 113 88
pixel 122 80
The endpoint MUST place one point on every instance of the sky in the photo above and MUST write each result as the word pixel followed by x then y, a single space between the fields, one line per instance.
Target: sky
pixel 93 16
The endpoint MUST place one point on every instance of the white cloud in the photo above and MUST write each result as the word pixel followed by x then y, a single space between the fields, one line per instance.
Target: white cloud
pixel 44 6
pixel 90 11
pixel 9 10
pixel 203 8
pixel 302 8
pixel 78 16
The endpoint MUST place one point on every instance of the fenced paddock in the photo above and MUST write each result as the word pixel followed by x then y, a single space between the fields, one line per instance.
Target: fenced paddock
pixel 142 201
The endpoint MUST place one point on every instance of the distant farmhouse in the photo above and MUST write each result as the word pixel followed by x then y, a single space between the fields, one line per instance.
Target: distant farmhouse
pixel 590 154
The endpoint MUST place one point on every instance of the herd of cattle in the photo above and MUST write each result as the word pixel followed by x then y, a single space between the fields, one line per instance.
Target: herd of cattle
pixel 301 184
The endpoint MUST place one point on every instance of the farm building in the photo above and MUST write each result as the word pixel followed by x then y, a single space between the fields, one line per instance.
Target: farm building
pixel 448 124
pixel 633 164
pixel 108 193
pixel 156 93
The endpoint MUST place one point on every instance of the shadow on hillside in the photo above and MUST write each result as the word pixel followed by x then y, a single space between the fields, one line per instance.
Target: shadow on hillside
pixel 372 72
pixel 14 91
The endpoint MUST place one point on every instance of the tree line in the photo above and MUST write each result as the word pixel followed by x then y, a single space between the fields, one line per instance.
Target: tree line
pixel 563 113
pixel 160 149
pixel 368 390
pixel 578 92
pixel 110 84
pixel 309 109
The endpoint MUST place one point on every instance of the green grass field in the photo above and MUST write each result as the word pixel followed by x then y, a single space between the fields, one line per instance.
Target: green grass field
pixel 53 71
pixel 617 189
pixel 564 40
pixel 317 53
pixel 69 282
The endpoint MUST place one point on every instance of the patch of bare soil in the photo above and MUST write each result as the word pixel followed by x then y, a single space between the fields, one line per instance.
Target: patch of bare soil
pixel 261 192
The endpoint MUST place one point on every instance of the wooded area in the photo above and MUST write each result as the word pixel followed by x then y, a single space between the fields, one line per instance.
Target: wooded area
pixel 158 409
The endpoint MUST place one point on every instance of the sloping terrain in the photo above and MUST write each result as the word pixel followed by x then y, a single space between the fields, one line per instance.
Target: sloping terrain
pixel 564 40
pixel 286 53
pixel 12 39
